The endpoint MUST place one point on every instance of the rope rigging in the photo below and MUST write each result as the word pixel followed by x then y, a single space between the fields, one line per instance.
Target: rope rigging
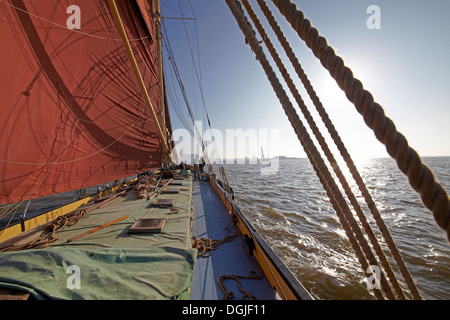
pixel 195 132
pixel 356 230
pixel 321 140
pixel 338 202
pixel 348 160
pixel 420 177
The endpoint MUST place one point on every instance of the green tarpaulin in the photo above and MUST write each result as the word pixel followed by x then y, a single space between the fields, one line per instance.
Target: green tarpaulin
pixel 101 274
pixel 113 263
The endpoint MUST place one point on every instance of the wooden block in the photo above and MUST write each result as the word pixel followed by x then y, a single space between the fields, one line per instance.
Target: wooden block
pixel 163 203
pixel 148 226
pixel 170 191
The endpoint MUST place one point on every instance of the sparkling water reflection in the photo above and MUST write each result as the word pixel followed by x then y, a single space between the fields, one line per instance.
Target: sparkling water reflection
pixel 292 212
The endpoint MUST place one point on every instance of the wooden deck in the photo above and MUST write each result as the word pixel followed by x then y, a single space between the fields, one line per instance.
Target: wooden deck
pixel 212 220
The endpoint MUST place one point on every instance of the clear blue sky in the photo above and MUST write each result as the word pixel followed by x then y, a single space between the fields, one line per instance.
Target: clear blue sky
pixel 405 65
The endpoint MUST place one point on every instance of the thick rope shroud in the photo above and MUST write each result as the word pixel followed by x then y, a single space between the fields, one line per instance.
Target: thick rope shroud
pixel 348 160
pixel 316 131
pixel 354 234
pixel 420 177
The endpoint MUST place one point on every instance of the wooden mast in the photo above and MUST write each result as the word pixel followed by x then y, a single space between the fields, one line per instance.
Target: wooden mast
pixel 157 16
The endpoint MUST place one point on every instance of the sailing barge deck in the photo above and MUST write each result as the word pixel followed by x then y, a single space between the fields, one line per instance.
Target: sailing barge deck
pixel 115 262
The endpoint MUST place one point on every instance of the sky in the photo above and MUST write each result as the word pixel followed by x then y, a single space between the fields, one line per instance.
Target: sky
pixel 404 64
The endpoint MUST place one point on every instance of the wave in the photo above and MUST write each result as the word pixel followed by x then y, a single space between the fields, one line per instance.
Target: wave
pixel 293 213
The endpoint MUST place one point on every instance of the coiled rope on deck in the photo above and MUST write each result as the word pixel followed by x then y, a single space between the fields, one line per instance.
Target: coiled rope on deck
pixel 47 236
pixel 229 295
pixel 420 177
pixel 206 246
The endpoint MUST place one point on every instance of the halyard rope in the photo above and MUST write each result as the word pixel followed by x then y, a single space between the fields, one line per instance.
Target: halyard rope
pixel 319 166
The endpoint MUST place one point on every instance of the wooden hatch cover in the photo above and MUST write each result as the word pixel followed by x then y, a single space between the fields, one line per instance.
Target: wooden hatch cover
pixel 163 203
pixel 170 191
pixel 154 225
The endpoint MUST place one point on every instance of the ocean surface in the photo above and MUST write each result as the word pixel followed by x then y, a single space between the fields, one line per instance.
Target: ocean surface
pixel 292 212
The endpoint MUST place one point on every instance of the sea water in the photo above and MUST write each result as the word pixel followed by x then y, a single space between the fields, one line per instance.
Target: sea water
pixel 292 212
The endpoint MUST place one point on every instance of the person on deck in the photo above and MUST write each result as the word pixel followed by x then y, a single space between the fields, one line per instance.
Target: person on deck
pixel 196 169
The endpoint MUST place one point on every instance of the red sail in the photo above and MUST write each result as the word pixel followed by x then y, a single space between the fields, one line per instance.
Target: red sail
pixel 72 112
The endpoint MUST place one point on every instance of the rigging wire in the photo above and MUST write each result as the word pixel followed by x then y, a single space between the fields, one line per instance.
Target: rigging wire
pixel 177 75
pixel 73 30
pixel 197 69
pixel 171 58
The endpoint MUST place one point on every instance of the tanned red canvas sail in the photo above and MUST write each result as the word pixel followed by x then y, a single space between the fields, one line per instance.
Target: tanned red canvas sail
pixel 72 112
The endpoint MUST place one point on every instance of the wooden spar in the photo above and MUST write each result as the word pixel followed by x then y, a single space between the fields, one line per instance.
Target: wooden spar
pixel 160 190
pixel 96 229
pixel 126 43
